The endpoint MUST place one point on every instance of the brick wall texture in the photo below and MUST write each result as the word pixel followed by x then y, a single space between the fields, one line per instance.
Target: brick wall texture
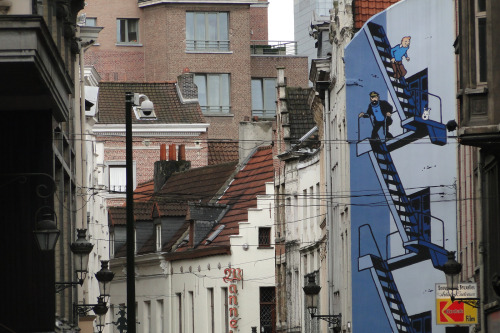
pixel 146 151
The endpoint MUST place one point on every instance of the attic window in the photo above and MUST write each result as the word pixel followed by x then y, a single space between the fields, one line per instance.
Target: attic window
pixel 214 234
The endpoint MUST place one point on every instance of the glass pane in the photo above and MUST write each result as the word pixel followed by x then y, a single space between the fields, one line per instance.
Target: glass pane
pixel 212 26
pixel 121 30
pixel 257 97
pixel 189 25
pixel 481 5
pixel 91 21
pixel 225 92
pixel 199 33
pixel 481 37
pixel 132 31
pixel 213 96
pixel 270 94
pixel 200 82
pixel 223 26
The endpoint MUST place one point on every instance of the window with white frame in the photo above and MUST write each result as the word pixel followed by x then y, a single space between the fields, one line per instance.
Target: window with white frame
pixel 211 310
pixel 91 21
pixel 127 31
pixel 117 178
pixel 264 97
pixel 213 92
pixel 207 31
pixel 480 25
pixel 147 317
pixel 160 321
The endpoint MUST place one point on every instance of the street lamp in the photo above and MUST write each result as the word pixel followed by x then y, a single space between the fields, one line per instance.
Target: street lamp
pixel 46 232
pixel 81 249
pixel 104 276
pixel 452 270
pixel 311 289
pixel 100 309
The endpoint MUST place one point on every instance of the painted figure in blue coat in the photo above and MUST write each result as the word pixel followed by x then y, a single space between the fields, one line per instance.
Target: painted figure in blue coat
pixel 381 112
pixel 397 54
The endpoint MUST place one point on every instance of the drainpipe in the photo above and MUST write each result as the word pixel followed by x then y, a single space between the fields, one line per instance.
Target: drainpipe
pixel 82 128
pixel 480 230
pixel 329 189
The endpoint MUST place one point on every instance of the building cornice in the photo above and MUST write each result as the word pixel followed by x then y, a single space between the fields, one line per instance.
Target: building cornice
pixel 147 3
pixel 198 253
pixel 151 129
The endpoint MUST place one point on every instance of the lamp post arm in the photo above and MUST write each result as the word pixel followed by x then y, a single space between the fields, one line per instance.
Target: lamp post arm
pixel 334 320
pixel 474 302
pixel 60 286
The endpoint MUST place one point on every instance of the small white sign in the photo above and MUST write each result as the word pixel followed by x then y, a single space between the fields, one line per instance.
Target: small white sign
pixel 465 290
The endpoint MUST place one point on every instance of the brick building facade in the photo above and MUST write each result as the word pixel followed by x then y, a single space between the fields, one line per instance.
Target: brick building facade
pixel 156 47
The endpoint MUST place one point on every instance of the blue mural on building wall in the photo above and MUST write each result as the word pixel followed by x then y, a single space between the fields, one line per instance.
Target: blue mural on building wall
pixel 403 164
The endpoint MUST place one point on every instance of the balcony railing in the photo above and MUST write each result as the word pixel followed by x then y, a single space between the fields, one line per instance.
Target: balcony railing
pixel 269 47
pixel 264 114
pixel 207 45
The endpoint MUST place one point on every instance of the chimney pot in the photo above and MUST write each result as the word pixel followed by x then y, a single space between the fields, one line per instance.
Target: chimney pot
pixel 182 153
pixel 171 153
pixel 163 152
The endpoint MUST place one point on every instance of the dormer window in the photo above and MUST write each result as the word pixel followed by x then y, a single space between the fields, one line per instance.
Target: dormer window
pixel 112 244
pixel 158 237
pixel 135 240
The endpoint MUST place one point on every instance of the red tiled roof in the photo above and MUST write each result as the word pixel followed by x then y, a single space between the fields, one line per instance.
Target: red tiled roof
pixel 199 184
pixel 167 104
pixel 222 152
pixel 118 215
pixel 364 9
pixel 242 194
pixel 144 191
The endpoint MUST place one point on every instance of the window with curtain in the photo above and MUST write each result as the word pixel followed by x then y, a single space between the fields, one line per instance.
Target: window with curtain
pixel 207 31
pixel 127 31
pixel 213 92
pixel 264 97
pixel 117 178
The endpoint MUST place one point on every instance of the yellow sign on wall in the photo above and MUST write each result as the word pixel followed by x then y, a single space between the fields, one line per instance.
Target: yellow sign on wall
pixel 457 312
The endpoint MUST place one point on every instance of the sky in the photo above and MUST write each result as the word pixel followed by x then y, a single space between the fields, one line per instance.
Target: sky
pixel 281 20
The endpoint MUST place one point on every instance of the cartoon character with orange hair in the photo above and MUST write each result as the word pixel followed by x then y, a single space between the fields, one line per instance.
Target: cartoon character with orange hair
pixel 397 54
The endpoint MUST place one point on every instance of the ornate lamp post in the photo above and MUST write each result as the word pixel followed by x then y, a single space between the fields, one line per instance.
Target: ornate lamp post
pixel 311 289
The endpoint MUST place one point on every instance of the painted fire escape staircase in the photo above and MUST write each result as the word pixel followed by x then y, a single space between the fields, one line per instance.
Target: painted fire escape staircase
pixel 415 231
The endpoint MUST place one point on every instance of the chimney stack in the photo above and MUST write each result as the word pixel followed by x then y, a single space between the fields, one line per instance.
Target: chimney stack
pixel 163 169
